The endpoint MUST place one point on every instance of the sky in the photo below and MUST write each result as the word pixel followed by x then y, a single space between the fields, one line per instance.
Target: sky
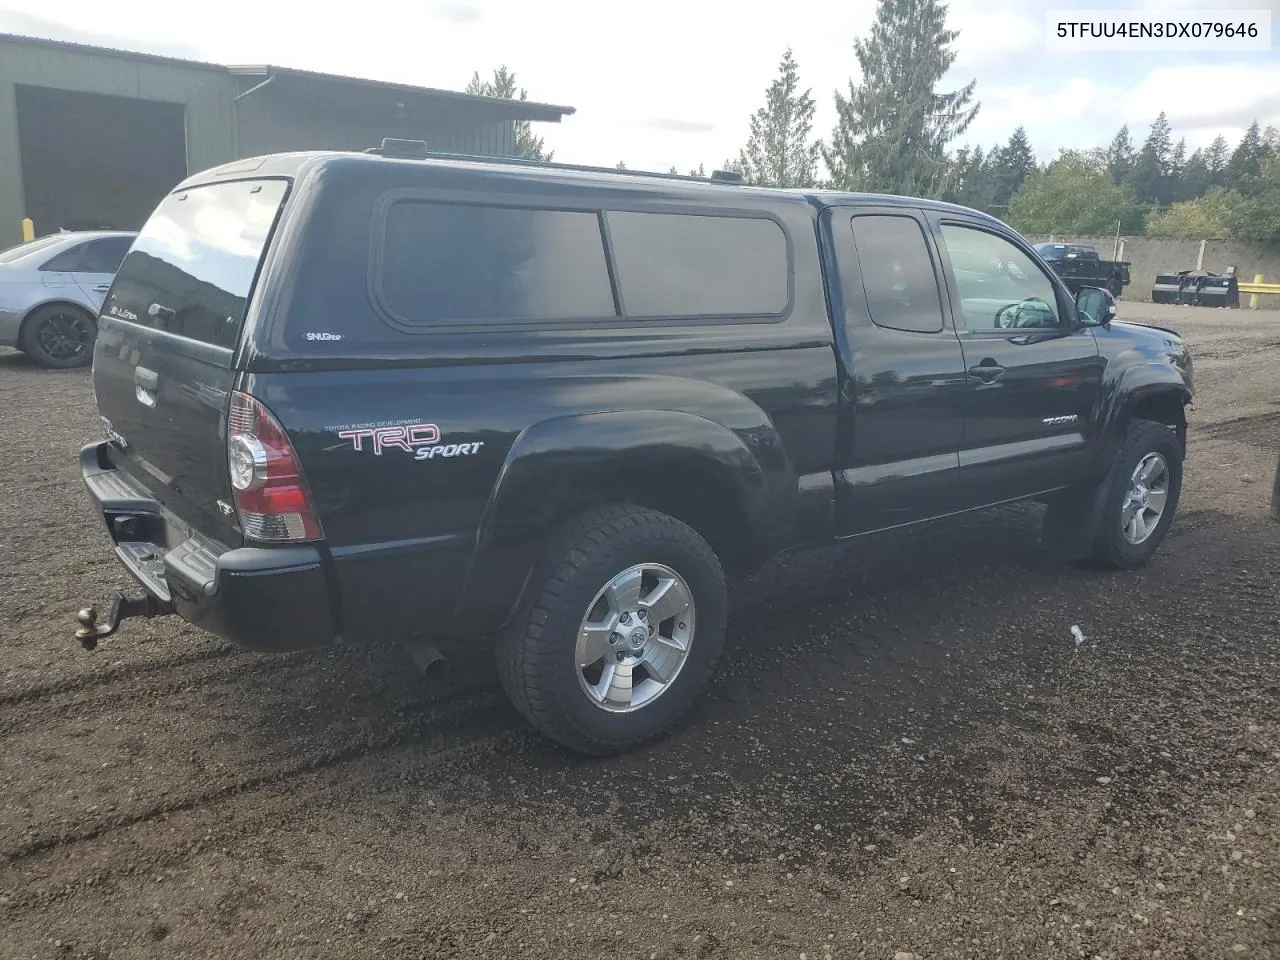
pixel 674 82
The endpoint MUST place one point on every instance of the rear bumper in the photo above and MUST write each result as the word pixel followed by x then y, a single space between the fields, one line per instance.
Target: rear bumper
pixel 269 599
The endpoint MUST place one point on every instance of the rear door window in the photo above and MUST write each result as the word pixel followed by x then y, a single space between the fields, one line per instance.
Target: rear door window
pixel 193 265
pixel 468 263
pixel 898 278
pixel 105 255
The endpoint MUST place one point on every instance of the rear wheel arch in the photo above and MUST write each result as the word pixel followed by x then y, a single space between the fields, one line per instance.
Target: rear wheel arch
pixel 681 465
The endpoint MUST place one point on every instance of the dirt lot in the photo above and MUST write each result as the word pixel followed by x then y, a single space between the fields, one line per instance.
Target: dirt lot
pixel 904 754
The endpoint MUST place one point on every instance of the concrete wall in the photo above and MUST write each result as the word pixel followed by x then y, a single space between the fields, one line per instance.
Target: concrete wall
pixel 1149 256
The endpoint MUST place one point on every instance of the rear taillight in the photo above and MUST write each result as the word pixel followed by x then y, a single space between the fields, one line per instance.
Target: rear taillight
pixel 270 491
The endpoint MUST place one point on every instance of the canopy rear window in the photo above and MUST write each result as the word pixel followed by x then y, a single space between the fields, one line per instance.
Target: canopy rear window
pixel 193 266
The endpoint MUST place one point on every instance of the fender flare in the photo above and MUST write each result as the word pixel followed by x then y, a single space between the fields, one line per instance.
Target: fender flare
pixel 557 464
pixel 1140 384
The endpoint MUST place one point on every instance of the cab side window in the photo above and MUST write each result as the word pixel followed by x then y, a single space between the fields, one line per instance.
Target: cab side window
pixel 999 286
pixel 898 279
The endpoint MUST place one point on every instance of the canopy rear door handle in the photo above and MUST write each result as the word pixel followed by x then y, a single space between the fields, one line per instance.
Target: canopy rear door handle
pixel 146 383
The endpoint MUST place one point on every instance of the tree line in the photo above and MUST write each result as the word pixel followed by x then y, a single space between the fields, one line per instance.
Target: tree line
pixel 895 133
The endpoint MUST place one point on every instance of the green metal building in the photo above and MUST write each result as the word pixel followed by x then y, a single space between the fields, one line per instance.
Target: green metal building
pixel 92 138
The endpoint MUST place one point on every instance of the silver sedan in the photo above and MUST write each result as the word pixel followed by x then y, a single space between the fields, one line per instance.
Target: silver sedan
pixel 51 291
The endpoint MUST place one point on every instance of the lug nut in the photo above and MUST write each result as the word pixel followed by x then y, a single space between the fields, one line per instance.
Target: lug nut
pixel 642 615
pixel 615 638
pixel 625 618
pixel 621 656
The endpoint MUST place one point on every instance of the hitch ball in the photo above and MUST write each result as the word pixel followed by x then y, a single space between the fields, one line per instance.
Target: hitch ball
pixel 88 632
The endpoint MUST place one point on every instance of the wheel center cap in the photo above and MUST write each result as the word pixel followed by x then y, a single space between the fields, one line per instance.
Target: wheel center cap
pixel 638 637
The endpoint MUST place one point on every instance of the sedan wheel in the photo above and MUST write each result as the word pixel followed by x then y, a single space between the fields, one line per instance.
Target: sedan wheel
pixel 59 336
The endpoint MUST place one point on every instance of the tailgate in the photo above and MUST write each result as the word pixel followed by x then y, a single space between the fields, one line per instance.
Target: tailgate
pixel 163 361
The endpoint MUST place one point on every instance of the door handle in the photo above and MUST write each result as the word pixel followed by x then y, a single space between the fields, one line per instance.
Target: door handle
pixel 145 383
pixel 988 371
pixel 102 288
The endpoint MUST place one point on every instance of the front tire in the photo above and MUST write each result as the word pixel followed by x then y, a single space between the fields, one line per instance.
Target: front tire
pixel 620 631
pixel 59 336
pixel 1142 496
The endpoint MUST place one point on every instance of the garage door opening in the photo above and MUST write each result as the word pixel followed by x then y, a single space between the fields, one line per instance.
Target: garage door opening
pixel 95 162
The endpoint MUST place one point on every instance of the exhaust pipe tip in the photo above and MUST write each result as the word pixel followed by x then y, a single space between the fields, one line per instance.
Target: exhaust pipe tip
pixel 428 658
pixel 437 669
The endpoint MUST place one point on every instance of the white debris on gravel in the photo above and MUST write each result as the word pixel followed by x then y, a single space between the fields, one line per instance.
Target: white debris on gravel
pixel 1077 633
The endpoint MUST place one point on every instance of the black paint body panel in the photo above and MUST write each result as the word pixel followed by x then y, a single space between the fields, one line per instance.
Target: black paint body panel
pixel 792 429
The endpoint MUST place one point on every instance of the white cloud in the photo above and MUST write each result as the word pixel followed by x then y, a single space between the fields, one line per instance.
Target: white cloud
pixel 675 82
pixel 1206 98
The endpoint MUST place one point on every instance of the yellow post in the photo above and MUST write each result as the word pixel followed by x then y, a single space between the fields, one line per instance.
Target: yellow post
pixel 28 230
pixel 1253 297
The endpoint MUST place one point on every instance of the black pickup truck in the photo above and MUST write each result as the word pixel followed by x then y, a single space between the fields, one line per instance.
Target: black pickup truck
pixel 1079 266
pixel 353 396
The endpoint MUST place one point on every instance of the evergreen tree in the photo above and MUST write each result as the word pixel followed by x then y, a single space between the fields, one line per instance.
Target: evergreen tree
pixel 1245 164
pixel 504 86
pixel 1120 158
pixel 780 151
pixel 1151 181
pixel 1177 170
pixel 965 164
pixel 1196 178
pixel 1011 166
pixel 974 181
pixel 1216 159
pixel 1254 214
pixel 892 130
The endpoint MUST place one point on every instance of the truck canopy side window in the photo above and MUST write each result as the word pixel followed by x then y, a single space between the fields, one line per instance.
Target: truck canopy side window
pixel 898 278
pixel 687 265
pixel 445 262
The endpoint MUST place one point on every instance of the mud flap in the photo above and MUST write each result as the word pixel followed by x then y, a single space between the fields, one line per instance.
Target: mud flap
pixel 1072 522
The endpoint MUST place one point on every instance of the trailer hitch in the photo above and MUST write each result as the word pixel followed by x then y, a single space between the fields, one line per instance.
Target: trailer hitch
pixel 122 608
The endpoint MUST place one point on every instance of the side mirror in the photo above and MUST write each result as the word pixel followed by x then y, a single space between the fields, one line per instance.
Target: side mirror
pixel 1095 307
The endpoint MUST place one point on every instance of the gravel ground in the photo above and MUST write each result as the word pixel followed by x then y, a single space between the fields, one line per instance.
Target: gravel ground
pixel 905 754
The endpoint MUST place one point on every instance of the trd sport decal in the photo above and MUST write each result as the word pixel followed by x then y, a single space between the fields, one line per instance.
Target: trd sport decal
pixel 420 439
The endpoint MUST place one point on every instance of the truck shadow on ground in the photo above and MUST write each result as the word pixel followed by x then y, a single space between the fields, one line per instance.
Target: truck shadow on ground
pixel 867 691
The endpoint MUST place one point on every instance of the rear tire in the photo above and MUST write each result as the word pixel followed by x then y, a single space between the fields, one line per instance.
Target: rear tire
pixel 1142 496
pixel 603 572
pixel 59 336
